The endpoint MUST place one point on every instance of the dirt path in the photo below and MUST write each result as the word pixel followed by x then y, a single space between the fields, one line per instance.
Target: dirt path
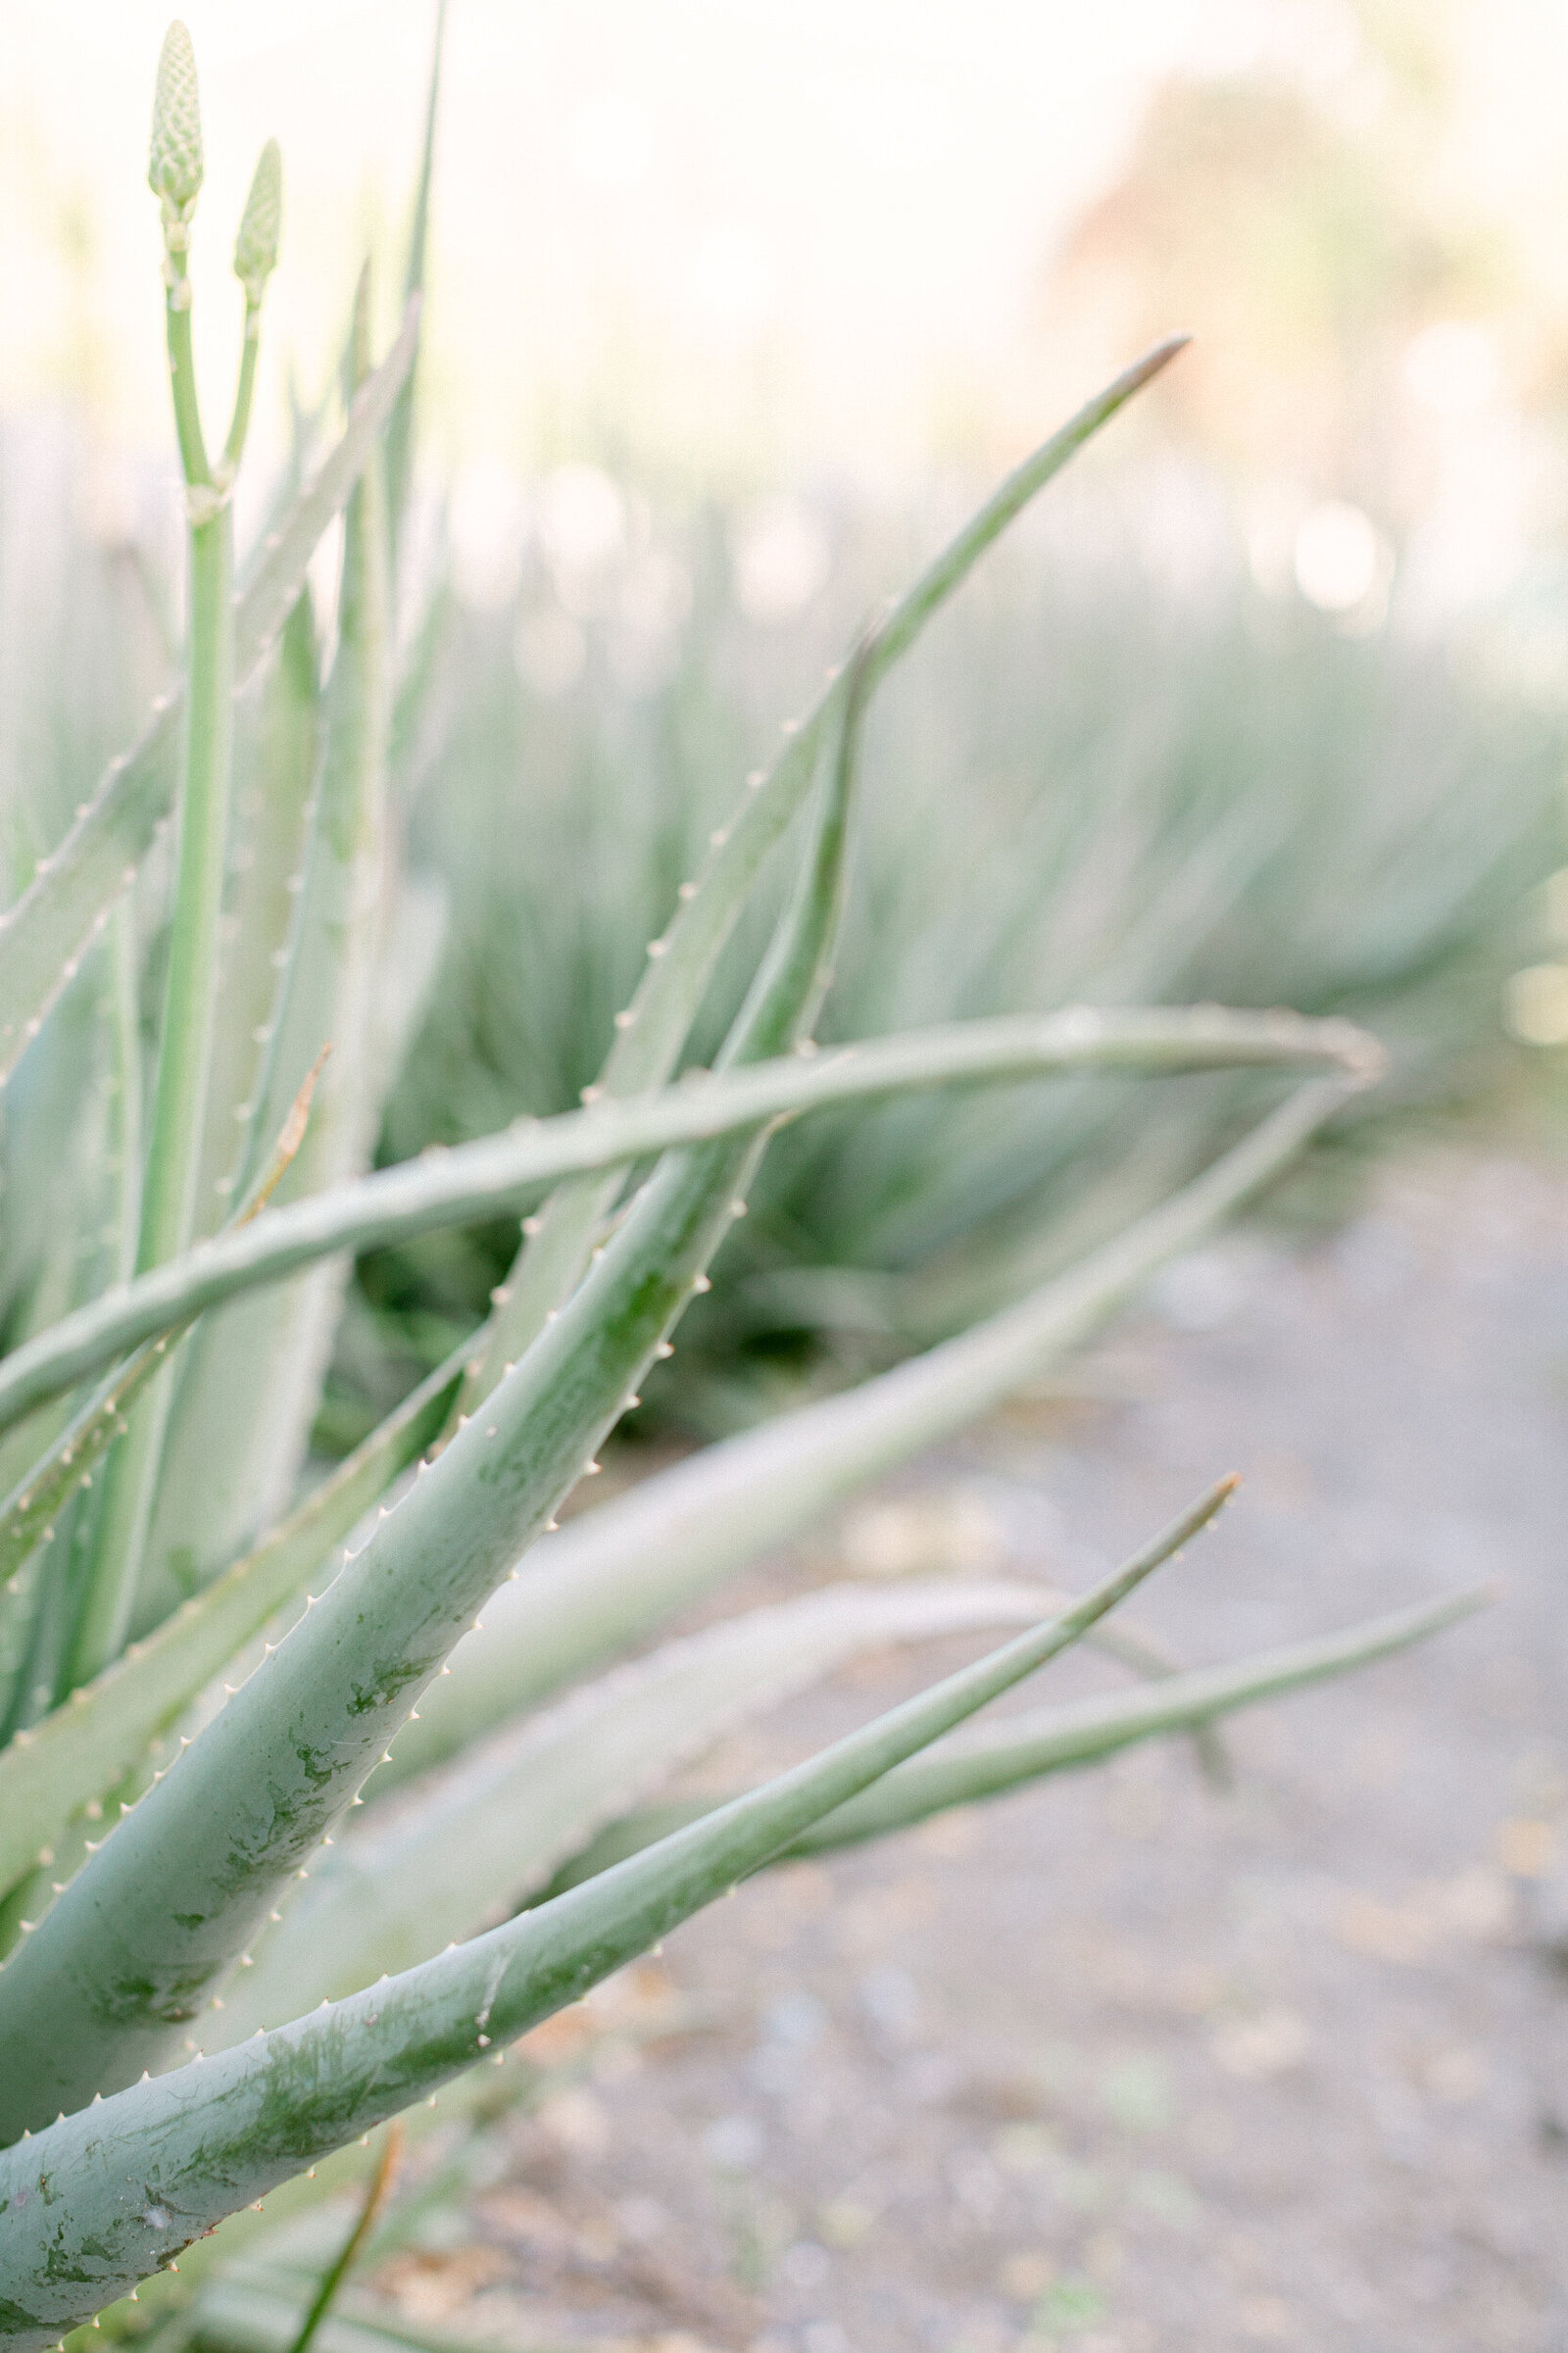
pixel 1124 2064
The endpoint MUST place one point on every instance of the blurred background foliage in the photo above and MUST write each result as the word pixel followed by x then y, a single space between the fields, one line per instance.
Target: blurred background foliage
pixel 1267 706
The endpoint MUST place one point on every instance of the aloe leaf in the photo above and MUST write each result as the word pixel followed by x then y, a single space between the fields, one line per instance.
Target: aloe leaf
pixel 253 1375
pixel 43 936
pixel 260 2241
pixel 50 1492
pixel 276 769
pixel 660 1013
pixel 337 2270
pixel 613 1573
pixel 400 424
pixel 181 1897
pixel 211 2136
pixel 991 1759
pixel 494 1829
pixel 125 1157
pixel 272 583
pixel 178 1127
pixel 779 1010
pixel 182 1894
pixel 75 1754
pixel 93 1195
pixel 475 1181
pixel 52 1484
pixel 994 1758
pixel 70 1461
pixel 263 2246
pixel 651 1030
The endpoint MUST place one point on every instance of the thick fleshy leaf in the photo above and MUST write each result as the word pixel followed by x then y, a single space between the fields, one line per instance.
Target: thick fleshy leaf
pixel 471 1845
pixel 50 1492
pixel 126 1958
pixel 989 1760
pixel 998 1758
pixel 83 1748
pixel 154 2166
pixel 482 1180
pixel 651 1032
pixel 614 1574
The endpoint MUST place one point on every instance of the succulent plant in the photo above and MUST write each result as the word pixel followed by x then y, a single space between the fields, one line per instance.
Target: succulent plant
pixel 209 1665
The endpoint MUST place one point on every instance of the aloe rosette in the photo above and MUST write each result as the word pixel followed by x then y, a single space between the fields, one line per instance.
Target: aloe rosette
pixel 218 1680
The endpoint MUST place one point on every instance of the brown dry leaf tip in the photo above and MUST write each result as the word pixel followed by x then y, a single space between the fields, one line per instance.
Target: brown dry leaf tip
pixel 293 1130
pixel 290 1137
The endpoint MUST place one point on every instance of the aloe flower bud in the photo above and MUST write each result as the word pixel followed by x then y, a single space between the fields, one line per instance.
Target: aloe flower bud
pixel 256 246
pixel 174 164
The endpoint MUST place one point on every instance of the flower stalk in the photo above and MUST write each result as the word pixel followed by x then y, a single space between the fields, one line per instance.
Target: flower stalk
pixel 174 174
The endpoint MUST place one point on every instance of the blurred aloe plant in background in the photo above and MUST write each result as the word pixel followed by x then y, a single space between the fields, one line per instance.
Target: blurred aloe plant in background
pixel 1154 796
pixel 209 1646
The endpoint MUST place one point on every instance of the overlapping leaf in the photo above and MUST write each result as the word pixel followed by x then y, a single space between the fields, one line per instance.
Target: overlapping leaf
pixel 206 2138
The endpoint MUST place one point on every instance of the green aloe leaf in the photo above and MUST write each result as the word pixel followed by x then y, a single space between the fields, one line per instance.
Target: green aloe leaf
pixel 651 1030
pixel 84 1162
pixel 614 1574
pixel 197 2143
pixel 275 765
pixel 999 1757
pixel 83 1749
pixel 475 1181
pixel 400 424
pixel 991 1759
pixel 252 1377
pixel 779 1012
pixel 69 1464
pixel 127 1957
pixel 42 937
pixel 496 1826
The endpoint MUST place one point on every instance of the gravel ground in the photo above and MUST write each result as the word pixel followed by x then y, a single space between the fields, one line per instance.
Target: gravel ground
pixel 1126 2063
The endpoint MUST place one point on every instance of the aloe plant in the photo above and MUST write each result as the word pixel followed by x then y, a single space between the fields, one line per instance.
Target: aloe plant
pixel 206 1659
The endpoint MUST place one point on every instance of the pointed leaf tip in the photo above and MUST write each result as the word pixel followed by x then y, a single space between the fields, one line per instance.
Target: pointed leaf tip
pixel 175 166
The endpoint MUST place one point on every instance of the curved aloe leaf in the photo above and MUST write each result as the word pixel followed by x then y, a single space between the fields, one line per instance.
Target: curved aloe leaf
pixel 651 1030
pixel 493 1830
pixel 69 1464
pixel 127 1957
pixel 84 1123
pixel 779 1010
pixel 612 1574
pixel 475 1181
pixel 400 424
pixel 153 2167
pixel 43 936
pixel 992 1759
pixel 83 1748
pixel 998 1758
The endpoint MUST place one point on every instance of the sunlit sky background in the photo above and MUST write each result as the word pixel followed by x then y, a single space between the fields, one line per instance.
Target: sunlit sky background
pixel 857 196
pixel 797 235
pixel 758 247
